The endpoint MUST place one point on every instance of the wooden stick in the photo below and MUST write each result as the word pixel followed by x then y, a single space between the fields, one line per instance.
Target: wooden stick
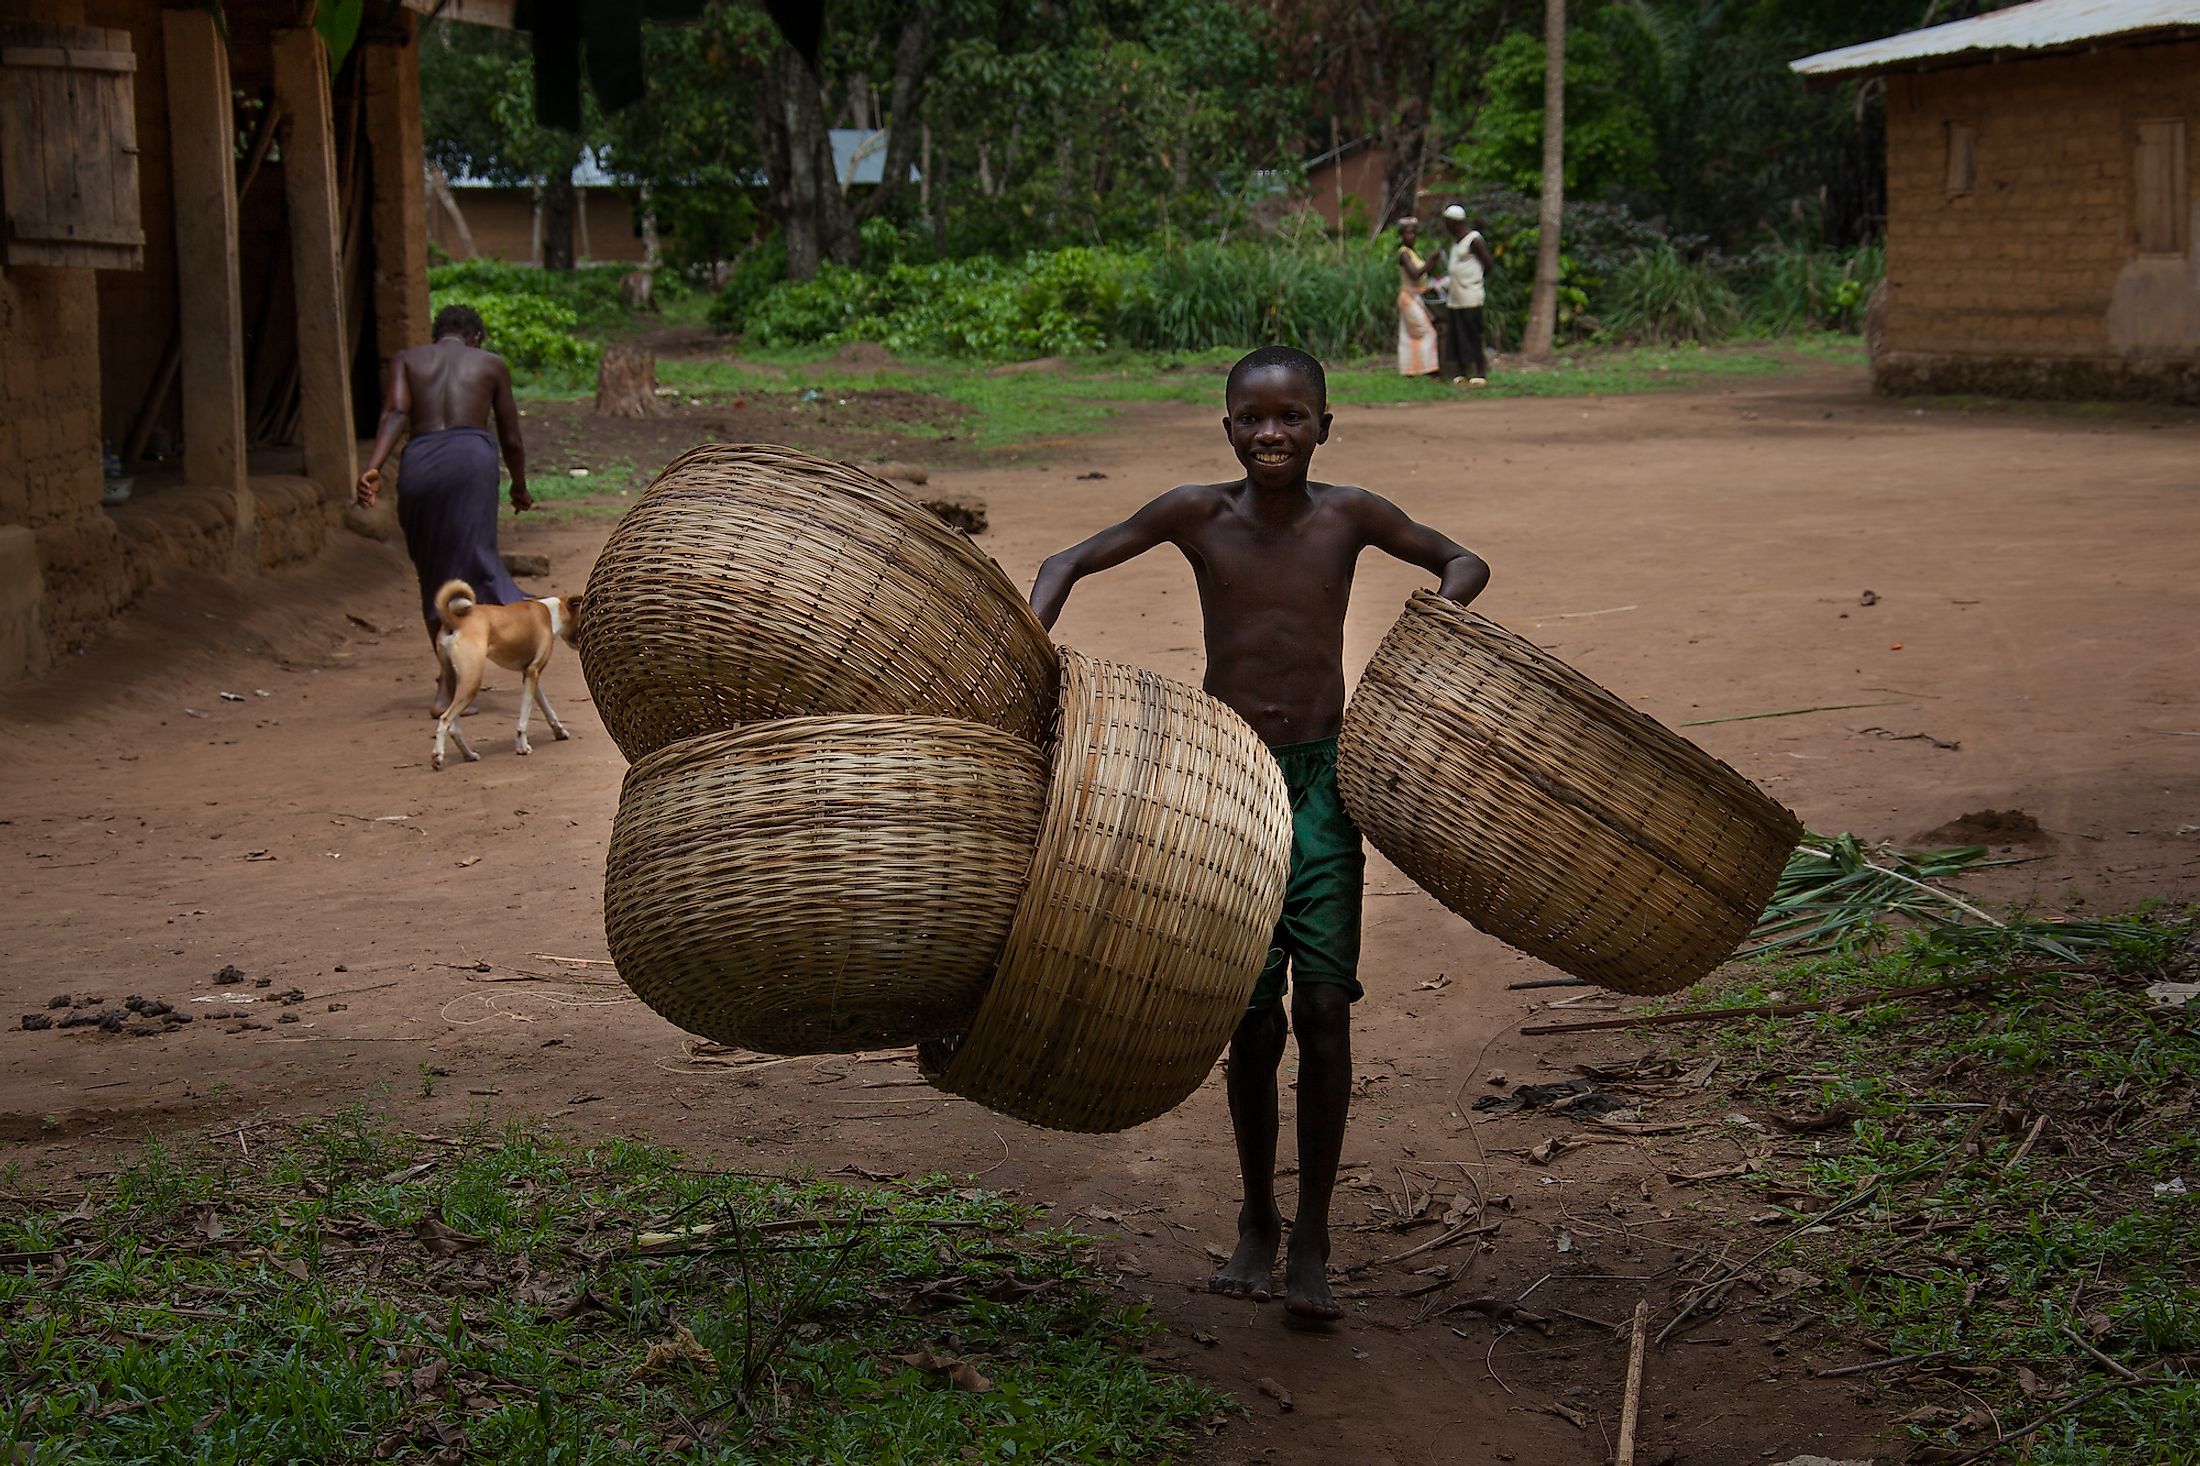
pixel 1631 1406
pixel 1879 1364
pixel 1777 1010
pixel 2026 1148
pixel 2113 1366
pixel 1982 1452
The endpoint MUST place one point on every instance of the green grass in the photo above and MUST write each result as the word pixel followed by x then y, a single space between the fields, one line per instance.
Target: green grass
pixel 296 1306
pixel 1083 395
pixel 1971 1242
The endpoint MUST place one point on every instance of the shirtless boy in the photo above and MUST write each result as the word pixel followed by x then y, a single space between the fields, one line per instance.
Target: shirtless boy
pixel 1273 555
pixel 447 392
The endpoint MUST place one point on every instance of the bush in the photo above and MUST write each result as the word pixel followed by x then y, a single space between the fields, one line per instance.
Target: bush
pixel 1659 298
pixel 533 316
pixel 1788 288
pixel 752 277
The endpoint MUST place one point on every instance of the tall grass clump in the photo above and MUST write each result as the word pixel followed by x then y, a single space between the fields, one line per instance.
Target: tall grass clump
pixel 1206 296
pixel 1659 298
pixel 1788 288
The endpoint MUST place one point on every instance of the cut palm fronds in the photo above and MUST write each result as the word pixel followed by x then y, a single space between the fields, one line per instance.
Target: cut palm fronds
pixel 1840 894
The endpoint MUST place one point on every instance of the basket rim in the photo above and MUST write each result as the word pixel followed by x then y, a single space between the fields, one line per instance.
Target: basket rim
pixel 1637 726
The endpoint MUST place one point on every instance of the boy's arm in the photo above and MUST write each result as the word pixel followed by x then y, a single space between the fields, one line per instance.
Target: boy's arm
pixel 508 435
pixel 1156 524
pixel 1481 248
pixel 396 412
pixel 1461 574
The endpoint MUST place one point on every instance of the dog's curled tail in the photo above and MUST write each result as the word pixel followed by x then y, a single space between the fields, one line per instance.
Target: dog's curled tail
pixel 453 601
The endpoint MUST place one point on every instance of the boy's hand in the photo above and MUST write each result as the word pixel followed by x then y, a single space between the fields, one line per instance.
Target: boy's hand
pixel 522 501
pixel 369 483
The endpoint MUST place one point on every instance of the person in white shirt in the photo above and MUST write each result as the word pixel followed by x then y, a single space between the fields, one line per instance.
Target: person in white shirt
pixel 1469 263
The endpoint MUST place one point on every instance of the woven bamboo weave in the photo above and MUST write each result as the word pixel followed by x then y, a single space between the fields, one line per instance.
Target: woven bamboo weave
pixel 822 885
pixel 1549 813
pixel 752 582
pixel 1153 896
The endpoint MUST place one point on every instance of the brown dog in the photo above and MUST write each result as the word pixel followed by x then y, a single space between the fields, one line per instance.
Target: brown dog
pixel 519 637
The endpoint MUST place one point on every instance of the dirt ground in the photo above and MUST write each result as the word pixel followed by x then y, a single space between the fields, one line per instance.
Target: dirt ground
pixel 1704 554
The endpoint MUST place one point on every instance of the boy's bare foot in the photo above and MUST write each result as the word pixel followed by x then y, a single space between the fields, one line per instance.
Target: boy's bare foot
pixel 1251 1271
pixel 1306 1295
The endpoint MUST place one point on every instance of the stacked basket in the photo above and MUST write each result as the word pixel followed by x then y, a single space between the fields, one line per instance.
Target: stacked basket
pixel 870 803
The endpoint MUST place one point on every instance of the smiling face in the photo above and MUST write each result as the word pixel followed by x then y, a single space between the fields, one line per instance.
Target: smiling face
pixel 1277 419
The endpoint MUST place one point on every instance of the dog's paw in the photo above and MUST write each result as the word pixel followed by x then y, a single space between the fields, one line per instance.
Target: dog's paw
pixel 560 734
pixel 472 757
pixel 521 745
pixel 435 762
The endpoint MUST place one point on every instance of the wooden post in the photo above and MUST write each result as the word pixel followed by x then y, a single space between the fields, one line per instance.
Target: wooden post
pixel 202 142
pixel 1542 324
pixel 399 207
pixel 316 250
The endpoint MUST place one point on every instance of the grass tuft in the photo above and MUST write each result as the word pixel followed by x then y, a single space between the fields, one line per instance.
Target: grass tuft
pixel 351 1292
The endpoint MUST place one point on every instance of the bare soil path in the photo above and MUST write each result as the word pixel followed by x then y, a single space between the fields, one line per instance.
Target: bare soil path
pixel 1704 554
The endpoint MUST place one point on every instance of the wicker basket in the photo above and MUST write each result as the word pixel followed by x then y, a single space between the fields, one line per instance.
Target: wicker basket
pixel 822 884
pixel 1153 897
pixel 752 582
pixel 1549 813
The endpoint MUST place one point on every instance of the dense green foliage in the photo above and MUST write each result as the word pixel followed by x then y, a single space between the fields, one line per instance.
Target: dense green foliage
pixel 1334 300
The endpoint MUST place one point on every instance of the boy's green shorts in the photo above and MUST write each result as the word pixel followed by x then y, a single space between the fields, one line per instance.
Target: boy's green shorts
pixel 1318 936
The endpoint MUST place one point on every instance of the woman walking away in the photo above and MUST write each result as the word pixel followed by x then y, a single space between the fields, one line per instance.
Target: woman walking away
pixel 1416 332
pixel 447 394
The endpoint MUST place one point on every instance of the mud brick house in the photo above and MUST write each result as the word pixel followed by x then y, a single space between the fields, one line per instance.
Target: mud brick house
pixel 209 246
pixel 2043 194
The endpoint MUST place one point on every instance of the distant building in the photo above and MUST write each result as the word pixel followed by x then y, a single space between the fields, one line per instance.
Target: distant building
pixel 2043 194
pixel 503 220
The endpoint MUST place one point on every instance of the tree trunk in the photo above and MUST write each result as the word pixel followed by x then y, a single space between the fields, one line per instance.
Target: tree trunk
pixel 557 218
pixel 805 194
pixel 1543 302
pixel 626 382
pixel 646 205
pixel 439 187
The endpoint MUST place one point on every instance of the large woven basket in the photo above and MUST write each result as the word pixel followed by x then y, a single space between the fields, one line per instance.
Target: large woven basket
pixel 1153 896
pixel 753 582
pixel 822 884
pixel 1549 813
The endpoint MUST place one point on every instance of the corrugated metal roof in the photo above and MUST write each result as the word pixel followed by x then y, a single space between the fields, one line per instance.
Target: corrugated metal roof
pixel 2042 25
pixel 859 157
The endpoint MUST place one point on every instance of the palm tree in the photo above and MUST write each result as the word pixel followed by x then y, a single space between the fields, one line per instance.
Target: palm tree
pixel 1543 300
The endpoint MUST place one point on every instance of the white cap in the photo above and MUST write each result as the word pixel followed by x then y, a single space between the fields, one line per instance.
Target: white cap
pixel 1456 211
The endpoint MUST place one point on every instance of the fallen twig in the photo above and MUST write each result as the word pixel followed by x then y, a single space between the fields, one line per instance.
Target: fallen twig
pixel 1786 1010
pixel 1547 982
pixel 1878 1364
pixel 1457 1234
pixel 2026 1149
pixel 1988 1449
pixel 2114 1367
pixel 1839 707
pixel 1631 1404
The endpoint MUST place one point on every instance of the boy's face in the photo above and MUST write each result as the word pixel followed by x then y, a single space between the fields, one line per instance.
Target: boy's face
pixel 1275 424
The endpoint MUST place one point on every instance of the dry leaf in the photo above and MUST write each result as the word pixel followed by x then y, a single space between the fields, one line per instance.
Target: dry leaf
pixel 679 1347
pixel 469 860
pixel 441 1239
pixel 960 1373
pixel 1275 1392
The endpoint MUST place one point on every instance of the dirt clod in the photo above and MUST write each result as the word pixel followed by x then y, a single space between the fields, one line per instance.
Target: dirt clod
pixel 230 973
pixel 59 1000
pixel 32 1022
pixel 1987 827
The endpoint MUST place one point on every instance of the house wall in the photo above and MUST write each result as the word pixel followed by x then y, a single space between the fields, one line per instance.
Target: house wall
pixel 2031 284
pixel 1359 175
pixel 50 443
pixel 80 350
pixel 502 222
